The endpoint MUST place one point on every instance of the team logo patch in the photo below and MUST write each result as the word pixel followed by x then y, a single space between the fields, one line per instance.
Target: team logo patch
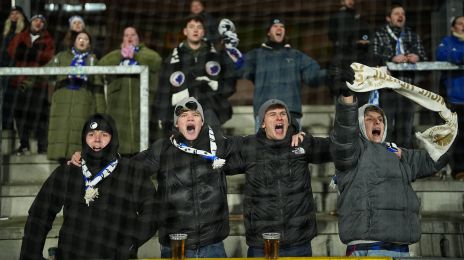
pixel 93 125
pixel 213 68
pixel 177 78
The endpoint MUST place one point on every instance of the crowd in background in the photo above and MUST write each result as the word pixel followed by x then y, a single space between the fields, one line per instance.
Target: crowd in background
pixel 53 108
pixel 190 157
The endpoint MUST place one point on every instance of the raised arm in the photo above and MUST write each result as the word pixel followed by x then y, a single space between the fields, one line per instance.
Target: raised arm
pixel 345 134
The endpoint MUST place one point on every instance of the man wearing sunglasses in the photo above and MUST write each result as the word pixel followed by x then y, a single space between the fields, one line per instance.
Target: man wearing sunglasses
pixel 192 187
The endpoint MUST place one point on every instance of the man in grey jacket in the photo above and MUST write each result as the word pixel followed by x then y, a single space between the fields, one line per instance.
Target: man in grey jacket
pixel 378 209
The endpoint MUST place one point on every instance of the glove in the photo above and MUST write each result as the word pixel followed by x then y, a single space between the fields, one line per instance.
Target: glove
pixel 236 56
pixel 127 52
pixel 230 39
pixel 213 84
pixel 346 76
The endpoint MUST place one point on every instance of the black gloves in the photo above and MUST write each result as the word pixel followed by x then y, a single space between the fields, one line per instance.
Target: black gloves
pixel 346 75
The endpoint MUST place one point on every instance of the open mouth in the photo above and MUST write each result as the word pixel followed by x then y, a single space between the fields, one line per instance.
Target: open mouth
pixel 279 128
pixel 376 132
pixel 190 129
pixel 96 148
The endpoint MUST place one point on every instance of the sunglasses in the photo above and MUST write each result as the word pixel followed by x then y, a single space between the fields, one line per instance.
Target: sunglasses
pixel 191 105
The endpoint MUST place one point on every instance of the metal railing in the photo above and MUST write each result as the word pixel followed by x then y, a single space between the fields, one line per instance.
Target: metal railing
pixel 424 66
pixel 93 70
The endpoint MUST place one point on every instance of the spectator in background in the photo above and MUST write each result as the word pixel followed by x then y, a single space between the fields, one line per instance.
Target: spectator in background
pixel 76 24
pixel 196 69
pixel 74 99
pixel 14 24
pixel 108 204
pixel 197 8
pixel 350 39
pixel 32 48
pixel 123 93
pixel 395 42
pixel 278 71
pixel 451 49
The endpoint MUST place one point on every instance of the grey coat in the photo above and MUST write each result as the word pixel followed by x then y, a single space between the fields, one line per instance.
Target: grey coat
pixel 377 202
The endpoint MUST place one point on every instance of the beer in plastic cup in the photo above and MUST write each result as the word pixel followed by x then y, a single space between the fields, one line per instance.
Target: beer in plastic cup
pixel 178 246
pixel 271 245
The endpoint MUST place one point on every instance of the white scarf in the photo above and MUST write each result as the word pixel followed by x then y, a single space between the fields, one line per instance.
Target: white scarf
pixel 437 139
pixel 399 49
pixel 217 162
pixel 91 193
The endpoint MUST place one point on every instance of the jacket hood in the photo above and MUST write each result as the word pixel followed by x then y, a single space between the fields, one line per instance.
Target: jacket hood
pixel 106 123
pixel 362 126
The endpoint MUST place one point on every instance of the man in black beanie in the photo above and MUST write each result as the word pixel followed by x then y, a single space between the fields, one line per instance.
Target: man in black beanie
pixel 277 71
pixel 108 203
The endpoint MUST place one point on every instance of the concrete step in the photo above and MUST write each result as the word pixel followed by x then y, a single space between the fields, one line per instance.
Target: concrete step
pixel 442 236
pixel 436 195
pixel 26 169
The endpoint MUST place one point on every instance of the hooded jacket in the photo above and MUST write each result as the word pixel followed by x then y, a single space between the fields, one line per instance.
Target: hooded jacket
pixel 192 196
pixel 120 220
pixel 377 202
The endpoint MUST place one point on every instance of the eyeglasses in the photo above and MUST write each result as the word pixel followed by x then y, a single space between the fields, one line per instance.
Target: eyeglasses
pixel 191 105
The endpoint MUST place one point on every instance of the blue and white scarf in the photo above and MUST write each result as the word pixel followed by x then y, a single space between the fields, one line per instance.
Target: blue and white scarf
pixel 78 61
pixel 91 193
pixel 217 162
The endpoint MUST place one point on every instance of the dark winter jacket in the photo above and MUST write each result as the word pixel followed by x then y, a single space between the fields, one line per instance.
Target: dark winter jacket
pixel 278 194
pixel 118 221
pixel 192 196
pixel 377 202
pixel 179 77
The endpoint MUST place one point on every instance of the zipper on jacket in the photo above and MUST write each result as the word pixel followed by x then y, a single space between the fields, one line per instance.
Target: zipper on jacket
pixel 279 188
pixel 195 201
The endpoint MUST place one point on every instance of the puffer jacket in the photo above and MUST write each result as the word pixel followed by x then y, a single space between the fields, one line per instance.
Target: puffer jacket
pixel 70 108
pixel 192 196
pixel 278 194
pixel 123 95
pixel 377 202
